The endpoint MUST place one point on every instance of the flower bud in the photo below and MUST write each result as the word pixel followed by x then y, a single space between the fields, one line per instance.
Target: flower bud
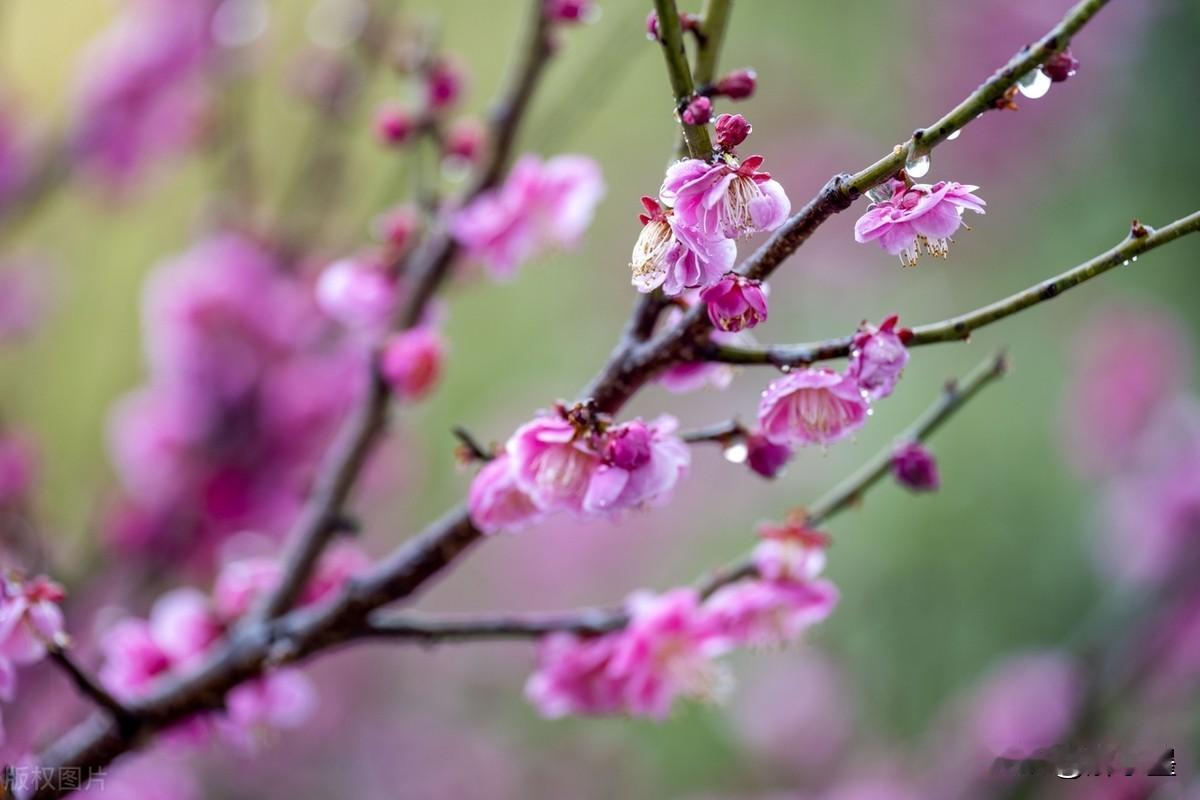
pixel 735 303
pixel 396 226
pixel 444 84
pixel 411 362
pixel 1060 66
pixel 698 111
pixel 464 140
pixel 394 125
pixel 915 468
pixel 737 85
pixel 732 130
pixel 765 457
pixel 570 11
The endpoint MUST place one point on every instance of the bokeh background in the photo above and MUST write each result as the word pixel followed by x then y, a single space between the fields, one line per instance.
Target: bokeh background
pixel 939 591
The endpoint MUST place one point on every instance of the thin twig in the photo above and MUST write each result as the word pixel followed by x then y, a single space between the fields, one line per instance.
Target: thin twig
pixel 1141 240
pixel 699 144
pixel 471 445
pixel 429 629
pixel 88 686
pixel 720 432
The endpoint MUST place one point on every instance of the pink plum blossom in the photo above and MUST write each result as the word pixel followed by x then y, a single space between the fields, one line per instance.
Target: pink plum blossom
pixel 394 125
pixel 445 81
pixel 642 464
pixel 917 217
pixel 357 293
pixel 284 699
pixel 735 303
pixel 754 613
pixel 698 111
pixel 553 463
pixel 915 468
pixel 1026 702
pixel 676 257
pixel 737 85
pixel 878 357
pixel 731 130
pixel 570 11
pixel 789 551
pixel 30 618
pixel 411 362
pixel 540 205
pixel 811 406
pixel 241 582
pixel 495 501
pixel 727 198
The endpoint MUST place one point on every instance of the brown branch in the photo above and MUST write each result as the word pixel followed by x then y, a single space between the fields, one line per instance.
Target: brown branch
pixel 88 686
pixel 431 629
pixel 1140 240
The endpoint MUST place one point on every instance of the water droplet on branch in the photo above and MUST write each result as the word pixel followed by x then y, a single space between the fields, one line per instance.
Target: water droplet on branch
pixel 954 135
pixel 736 453
pixel 1034 84
pixel 917 165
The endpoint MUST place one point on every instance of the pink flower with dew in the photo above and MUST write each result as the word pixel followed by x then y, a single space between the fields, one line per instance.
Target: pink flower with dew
pixel 553 463
pixel 18 468
pixel 812 406
pixel 358 294
pixel 642 464
pixel 667 651
pixel 789 551
pixel 30 618
pixel 878 356
pixel 736 303
pixel 725 199
pixel 411 362
pixel 1025 703
pixel 495 501
pixel 765 457
pixel 539 206
pixel 916 218
pixel 753 613
pixel 675 257
pixel 915 468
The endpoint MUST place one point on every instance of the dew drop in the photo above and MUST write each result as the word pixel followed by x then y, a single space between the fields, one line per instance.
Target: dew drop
pixel 870 412
pixel 917 166
pixel 1034 84
pixel 334 24
pixel 1125 263
pixel 1134 258
pixel 785 368
pixel 237 23
pixel 954 135
pixel 736 453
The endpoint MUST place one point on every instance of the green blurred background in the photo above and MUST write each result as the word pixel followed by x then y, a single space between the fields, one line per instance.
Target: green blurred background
pixel 934 588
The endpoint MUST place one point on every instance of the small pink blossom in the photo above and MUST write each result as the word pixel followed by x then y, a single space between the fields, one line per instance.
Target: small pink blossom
pixel 340 562
pixel 915 468
pixel 753 613
pixel 789 551
pixel 184 625
pixel 444 83
pixel 1025 703
pixel 464 140
pixel 916 218
pixel 570 11
pixel 574 677
pixel 1061 66
pixel 411 362
pixel 30 618
pixel 241 582
pixel 356 293
pixel 727 198
pixel 642 464
pixel 540 205
pixel 394 125
pixel 280 700
pixel 731 130
pixel 878 357
pixel 811 406
pixel 674 257
pixel 764 456
pixel 495 501
pixel 736 303
pixel 553 463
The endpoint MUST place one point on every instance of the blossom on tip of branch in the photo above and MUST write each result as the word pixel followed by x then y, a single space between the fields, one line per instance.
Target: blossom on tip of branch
pixel 731 130
pixel 675 257
pixel 540 205
pixel 411 361
pixel 727 199
pixel 878 357
pixel 812 406
pixel 735 302
pixel 915 468
pixel 916 218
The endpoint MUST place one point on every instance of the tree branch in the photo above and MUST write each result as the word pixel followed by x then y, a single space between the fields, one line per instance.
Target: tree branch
pixel 88 686
pixel 699 144
pixel 1140 240
pixel 431 629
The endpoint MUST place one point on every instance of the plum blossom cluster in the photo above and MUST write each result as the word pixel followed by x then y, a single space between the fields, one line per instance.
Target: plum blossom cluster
pixel 917 218
pixel 185 624
pixel 576 461
pixel 30 621
pixel 541 205
pixel 670 645
pixel 245 388
pixel 688 233
pixel 820 406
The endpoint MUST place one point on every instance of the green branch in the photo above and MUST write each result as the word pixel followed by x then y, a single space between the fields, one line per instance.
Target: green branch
pixel 699 144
